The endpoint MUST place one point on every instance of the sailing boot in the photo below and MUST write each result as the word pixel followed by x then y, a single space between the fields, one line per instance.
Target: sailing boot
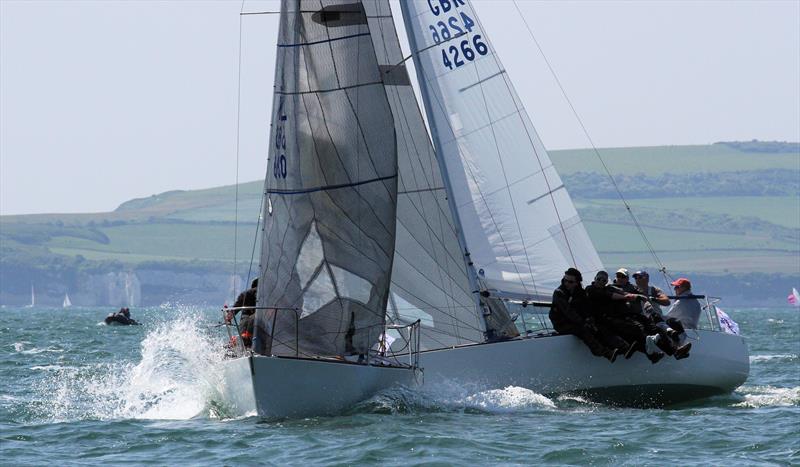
pixel 651 344
pixel 655 357
pixel 683 351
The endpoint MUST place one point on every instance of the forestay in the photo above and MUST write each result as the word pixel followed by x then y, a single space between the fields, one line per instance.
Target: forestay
pixel 519 223
pixel 429 275
pixel 329 221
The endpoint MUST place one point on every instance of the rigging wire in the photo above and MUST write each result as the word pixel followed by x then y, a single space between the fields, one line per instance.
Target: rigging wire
pixel 661 267
pixel 238 137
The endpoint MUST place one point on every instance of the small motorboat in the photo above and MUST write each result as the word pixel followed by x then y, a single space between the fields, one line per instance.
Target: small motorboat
pixel 121 318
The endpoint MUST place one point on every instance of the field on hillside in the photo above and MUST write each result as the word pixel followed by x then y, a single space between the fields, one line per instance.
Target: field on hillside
pixel 779 210
pixel 671 159
pixel 713 234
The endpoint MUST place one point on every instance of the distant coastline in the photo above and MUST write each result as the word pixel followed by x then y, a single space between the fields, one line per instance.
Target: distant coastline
pixel 726 214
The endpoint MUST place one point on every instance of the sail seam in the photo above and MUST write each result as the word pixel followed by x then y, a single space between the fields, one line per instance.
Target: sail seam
pixel 324 41
pixel 279 191
pixel 315 91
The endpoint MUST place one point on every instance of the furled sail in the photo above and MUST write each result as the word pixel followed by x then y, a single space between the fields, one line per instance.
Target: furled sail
pixel 329 220
pixel 429 275
pixel 520 225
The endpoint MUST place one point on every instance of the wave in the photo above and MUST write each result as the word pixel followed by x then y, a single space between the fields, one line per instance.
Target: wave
pixel 444 398
pixel 177 377
pixel 19 347
pixel 48 367
pixel 778 357
pixel 509 399
pixel 768 396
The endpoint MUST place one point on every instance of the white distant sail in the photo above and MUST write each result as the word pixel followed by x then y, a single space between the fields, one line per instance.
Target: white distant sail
pixel 67 303
pixel 33 298
pixel 518 220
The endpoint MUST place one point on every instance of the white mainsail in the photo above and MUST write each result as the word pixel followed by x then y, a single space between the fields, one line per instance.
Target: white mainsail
pixel 429 275
pixel 329 220
pixel 67 302
pixel 520 225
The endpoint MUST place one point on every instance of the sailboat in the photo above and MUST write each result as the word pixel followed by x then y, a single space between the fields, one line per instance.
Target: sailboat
pixel 385 262
pixel 33 298
pixel 67 302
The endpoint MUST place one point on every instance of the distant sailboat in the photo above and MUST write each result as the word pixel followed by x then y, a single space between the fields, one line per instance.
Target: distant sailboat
pixel 33 298
pixel 67 303
pixel 794 298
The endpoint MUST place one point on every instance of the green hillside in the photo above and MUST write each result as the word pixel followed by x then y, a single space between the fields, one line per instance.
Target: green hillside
pixel 677 159
pixel 726 208
pixel 719 209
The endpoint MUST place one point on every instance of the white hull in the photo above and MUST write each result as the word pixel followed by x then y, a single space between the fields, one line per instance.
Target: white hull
pixel 287 387
pixel 294 388
pixel 718 364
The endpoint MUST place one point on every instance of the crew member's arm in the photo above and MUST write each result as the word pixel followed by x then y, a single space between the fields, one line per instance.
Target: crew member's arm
pixel 628 297
pixel 661 298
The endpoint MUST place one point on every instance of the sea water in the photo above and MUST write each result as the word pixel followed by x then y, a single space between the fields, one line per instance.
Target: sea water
pixel 74 391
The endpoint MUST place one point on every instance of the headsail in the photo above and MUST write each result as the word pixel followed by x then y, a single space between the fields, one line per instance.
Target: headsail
pixel 519 222
pixel 329 229
pixel 429 276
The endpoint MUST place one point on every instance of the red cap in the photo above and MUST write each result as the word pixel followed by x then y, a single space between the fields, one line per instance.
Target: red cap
pixel 682 281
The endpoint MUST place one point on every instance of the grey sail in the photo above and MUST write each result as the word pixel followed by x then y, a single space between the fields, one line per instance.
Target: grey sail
pixel 329 221
pixel 429 276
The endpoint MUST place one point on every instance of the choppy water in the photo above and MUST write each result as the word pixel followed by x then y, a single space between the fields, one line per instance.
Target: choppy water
pixel 74 391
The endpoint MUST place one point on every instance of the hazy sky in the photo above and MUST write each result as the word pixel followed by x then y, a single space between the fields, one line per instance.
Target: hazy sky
pixel 101 102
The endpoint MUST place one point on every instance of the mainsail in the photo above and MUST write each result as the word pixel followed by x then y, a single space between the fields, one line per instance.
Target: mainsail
pixel 520 225
pixel 329 221
pixel 429 275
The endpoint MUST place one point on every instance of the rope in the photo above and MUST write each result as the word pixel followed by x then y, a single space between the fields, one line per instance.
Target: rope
pixel 661 267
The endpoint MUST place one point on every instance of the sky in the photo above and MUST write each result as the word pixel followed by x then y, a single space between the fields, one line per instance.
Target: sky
pixel 106 101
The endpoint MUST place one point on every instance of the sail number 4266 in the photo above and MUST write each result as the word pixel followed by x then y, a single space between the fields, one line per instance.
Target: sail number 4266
pixel 461 52
pixel 451 57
